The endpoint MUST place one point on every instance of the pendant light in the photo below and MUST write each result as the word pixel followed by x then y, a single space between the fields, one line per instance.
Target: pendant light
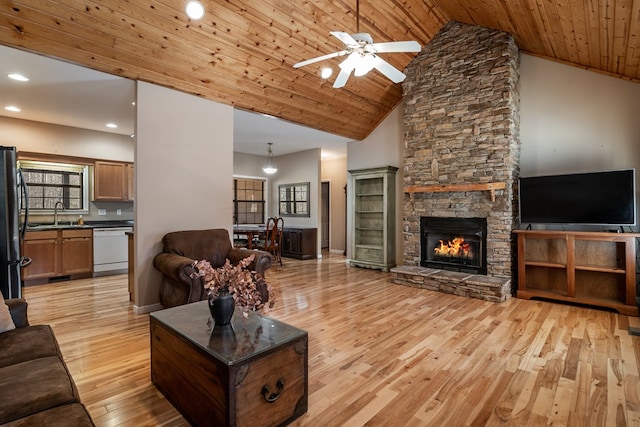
pixel 270 168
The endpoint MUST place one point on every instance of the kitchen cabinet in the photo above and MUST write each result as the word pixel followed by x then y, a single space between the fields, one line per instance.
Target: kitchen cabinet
pixel 113 181
pixel 372 195
pixel 130 182
pixel 300 243
pixel 76 252
pixel 64 253
pixel 594 268
pixel 42 248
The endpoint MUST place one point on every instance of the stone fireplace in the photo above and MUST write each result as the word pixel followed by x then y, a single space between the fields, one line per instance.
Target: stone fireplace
pixel 462 147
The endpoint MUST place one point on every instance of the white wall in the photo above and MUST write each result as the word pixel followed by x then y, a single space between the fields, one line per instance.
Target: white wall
pixel 573 120
pixel 383 147
pixel 293 168
pixel 249 165
pixel 40 137
pixel 184 175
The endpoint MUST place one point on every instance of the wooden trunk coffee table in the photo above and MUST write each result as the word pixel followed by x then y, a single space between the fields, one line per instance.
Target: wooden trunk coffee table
pixel 253 372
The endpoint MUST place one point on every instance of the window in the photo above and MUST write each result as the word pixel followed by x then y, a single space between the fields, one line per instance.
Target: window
pixel 248 201
pixel 294 199
pixel 49 183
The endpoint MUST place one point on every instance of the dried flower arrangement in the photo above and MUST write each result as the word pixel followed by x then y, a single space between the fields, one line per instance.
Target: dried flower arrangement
pixel 250 290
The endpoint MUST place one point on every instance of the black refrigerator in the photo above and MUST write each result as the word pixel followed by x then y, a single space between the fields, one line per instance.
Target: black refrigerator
pixel 12 187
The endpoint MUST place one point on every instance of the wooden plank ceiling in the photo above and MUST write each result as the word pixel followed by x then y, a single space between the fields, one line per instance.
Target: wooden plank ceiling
pixel 241 53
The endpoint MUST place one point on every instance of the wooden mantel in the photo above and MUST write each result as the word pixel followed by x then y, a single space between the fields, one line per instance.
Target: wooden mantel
pixel 487 186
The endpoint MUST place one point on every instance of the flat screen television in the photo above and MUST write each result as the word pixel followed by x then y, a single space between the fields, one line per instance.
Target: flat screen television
pixel 596 198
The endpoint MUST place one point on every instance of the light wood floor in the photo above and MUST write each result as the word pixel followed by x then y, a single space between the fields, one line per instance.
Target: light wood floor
pixel 379 354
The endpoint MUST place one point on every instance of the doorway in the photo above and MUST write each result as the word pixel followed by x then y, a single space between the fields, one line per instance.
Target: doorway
pixel 324 215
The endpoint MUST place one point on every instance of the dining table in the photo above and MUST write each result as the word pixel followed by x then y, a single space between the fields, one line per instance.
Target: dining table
pixel 250 231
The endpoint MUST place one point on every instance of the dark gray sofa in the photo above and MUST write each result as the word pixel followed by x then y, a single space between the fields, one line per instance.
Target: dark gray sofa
pixel 36 388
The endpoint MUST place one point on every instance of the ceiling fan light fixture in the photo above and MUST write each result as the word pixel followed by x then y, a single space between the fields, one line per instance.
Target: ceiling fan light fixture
pixel 350 63
pixel 326 72
pixel 270 168
pixel 194 9
pixel 362 55
pixel 364 65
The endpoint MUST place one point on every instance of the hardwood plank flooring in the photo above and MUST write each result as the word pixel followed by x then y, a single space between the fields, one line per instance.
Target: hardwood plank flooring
pixel 379 354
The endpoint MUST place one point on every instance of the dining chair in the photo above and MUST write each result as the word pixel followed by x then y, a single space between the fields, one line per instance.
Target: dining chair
pixel 272 242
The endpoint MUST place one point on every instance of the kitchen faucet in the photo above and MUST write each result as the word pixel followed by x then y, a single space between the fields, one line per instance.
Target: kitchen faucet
pixel 55 212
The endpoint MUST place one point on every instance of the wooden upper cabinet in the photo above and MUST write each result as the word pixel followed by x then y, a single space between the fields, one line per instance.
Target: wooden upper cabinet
pixel 130 182
pixel 112 181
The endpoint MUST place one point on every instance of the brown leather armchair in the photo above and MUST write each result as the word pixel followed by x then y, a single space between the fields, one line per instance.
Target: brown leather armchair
pixel 181 248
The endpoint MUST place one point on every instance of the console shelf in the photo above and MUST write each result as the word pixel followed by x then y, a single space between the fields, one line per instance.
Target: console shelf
pixel 593 268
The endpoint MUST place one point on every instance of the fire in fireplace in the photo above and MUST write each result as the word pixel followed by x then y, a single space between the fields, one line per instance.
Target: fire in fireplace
pixel 456 244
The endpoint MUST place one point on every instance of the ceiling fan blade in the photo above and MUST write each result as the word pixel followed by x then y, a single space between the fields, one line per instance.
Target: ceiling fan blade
pixel 346 67
pixel 408 46
pixel 345 38
pixel 391 72
pixel 342 78
pixel 319 58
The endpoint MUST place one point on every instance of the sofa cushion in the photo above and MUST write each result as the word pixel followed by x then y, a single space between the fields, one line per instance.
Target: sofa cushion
pixel 33 386
pixel 212 245
pixel 71 415
pixel 31 342
pixel 6 322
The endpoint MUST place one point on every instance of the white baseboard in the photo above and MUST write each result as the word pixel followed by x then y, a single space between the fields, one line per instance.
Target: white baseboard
pixel 146 308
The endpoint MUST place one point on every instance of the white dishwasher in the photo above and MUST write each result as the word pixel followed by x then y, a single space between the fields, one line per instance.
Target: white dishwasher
pixel 110 250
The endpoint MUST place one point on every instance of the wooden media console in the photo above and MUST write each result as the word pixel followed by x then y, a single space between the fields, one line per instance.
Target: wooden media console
pixel 592 268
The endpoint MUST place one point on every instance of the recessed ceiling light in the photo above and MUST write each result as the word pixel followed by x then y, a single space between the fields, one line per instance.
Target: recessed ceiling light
pixel 112 125
pixel 326 72
pixel 18 77
pixel 194 9
pixel 12 108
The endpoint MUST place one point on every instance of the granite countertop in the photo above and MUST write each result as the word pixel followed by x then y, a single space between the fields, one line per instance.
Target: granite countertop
pixel 87 224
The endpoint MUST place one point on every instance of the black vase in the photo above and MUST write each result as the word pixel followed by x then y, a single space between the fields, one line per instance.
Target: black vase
pixel 223 340
pixel 221 308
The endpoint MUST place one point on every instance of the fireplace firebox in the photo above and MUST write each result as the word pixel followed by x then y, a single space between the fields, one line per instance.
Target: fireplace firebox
pixel 456 244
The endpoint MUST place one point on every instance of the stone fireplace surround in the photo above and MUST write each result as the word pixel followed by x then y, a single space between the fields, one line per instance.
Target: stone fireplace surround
pixel 461 121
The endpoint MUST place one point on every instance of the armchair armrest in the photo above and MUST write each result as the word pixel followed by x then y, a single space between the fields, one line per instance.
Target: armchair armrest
pixel 18 310
pixel 174 266
pixel 260 263
pixel 177 286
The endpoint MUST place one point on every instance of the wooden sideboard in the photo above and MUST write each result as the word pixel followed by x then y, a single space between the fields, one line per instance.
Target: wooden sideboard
pixel 300 243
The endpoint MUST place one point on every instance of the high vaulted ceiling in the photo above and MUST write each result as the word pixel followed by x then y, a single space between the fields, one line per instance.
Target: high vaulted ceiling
pixel 242 52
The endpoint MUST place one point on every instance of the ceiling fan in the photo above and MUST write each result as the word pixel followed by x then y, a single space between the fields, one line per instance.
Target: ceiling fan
pixel 362 55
